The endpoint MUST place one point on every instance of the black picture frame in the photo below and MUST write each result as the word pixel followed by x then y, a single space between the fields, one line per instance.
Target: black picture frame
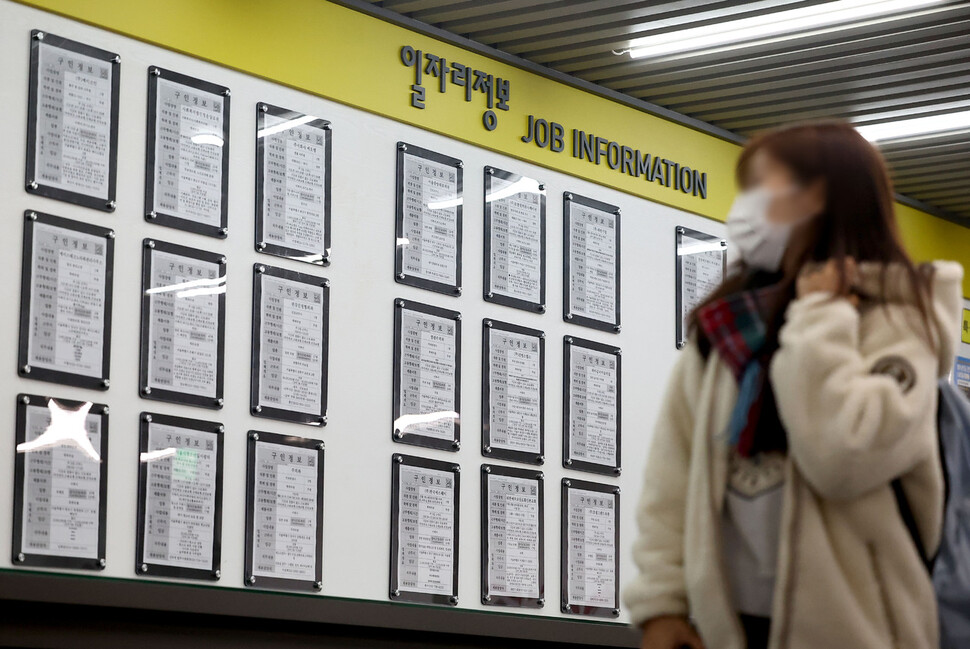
pixel 24 368
pixel 568 198
pixel 680 341
pixel 146 568
pixel 170 220
pixel 565 605
pixel 487 292
pixel 22 557
pixel 282 414
pixel 317 257
pixel 394 592
pixel 488 598
pixel 400 276
pixel 400 305
pixel 488 450
pixel 569 342
pixel 32 184
pixel 278 583
pixel 149 246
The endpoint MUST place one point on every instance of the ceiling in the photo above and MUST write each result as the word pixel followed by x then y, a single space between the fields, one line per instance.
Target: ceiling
pixel 898 66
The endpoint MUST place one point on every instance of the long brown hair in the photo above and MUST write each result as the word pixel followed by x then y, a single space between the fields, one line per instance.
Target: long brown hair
pixel 858 219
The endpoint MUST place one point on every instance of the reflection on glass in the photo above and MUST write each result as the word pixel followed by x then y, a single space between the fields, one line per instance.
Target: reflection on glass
pixel 67 428
pixel 284 126
pixel 184 322
pixel 158 454
pixel 693 247
pixel 404 422
pixel 192 288
pixel 442 204
pixel 520 186
pixel 207 138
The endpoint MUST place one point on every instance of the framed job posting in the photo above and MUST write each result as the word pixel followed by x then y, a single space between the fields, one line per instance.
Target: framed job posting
pixel 513 392
pixel 179 530
pixel 427 376
pixel 513 542
pixel 293 153
pixel 183 324
pixel 291 313
pixel 701 261
pixel 72 121
pixel 590 571
pixel 428 218
pixel 187 168
pixel 284 512
pixel 424 530
pixel 515 240
pixel 65 301
pixel 60 483
pixel 591 406
pixel 591 263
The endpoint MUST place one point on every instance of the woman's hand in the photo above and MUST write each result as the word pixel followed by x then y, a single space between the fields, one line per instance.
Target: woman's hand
pixel 826 279
pixel 670 632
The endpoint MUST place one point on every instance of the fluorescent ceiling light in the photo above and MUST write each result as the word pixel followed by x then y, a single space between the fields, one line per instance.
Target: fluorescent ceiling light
pixel 925 126
pixel 842 13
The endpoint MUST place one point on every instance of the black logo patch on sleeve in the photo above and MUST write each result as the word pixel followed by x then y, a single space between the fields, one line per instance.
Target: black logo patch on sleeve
pixel 899 369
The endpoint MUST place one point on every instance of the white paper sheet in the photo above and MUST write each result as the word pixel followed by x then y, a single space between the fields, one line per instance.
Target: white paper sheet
pixel 591 569
pixel 516 239
pixel 294 185
pixel 73 147
pixel 515 415
pixel 62 488
pixel 67 300
pixel 183 328
pixel 429 368
pixel 188 153
pixel 701 271
pixel 285 520
pixel 431 203
pixel 592 258
pixel 291 345
pixel 426 531
pixel 513 536
pixel 181 497
pixel 592 406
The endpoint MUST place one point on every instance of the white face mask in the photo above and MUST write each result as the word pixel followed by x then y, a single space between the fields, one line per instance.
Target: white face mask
pixel 752 238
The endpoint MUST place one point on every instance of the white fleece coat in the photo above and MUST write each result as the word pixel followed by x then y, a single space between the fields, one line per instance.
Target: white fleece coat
pixel 856 389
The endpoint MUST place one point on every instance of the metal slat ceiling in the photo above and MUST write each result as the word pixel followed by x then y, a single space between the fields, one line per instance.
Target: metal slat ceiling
pixel 915 63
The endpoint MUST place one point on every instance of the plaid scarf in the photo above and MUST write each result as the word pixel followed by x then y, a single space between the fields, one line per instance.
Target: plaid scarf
pixel 735 327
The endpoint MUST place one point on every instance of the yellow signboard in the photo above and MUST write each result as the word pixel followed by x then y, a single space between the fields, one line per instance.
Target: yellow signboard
pixel 965 331
pixel 359 60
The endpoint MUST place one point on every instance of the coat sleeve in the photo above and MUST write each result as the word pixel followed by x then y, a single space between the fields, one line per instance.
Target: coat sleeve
pixel 855 420
pixel 658 551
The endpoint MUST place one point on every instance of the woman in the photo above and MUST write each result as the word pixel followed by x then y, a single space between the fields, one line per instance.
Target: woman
pixel 809 385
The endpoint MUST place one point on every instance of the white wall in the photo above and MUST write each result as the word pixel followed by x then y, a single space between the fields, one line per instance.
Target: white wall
pixel 358 440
